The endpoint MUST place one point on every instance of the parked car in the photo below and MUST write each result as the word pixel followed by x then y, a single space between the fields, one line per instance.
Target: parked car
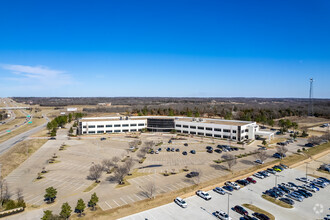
pixel 209 151
pixel 309 145
pixel 295 197
pixel 269 170
pixel 243 182
pixel 319 183
pixel 168 149
pixel 180 202
pixel 303 179
pixel 284 166
pixel 261 216
pixel 262 148
pixel 177 150
pixel 271 193
pixel 251 180
pixel 185 144
pixel 193 151
pixel 240 210
pixel 305 193
pixel 221 215
pixel 259 161
pixel 258 175
pixel 156 152
pixel 228 188
pixel 287 200
pixel 103 139
pixel 324 180
pixel 209 148
pixel 219 190
pixel 203 195
pixel 286 190
pixel 218 151
pixel 264 173
pixel 192 174
pixel 160 149
pixel 309 188
pixel 173 149
pixel 184 152
pixel 232 184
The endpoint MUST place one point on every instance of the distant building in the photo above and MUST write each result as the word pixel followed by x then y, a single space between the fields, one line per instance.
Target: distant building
pixel 216 128
pixel 71 109
pixel 104 104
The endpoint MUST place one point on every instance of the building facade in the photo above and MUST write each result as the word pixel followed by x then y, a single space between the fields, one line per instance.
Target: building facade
pixel 216 128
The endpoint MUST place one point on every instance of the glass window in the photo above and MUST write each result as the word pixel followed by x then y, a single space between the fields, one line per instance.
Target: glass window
pixel 133 130
pixel 116 125
pixel 217 129
pixel 133 125
pixel 193 127
pixel 91 126
pixel 218 136
pixel 125 125
pixel 125 130
pixel 185 126
pixel 186 132
pixel 178 126
pixel 84 126
pixel 91 132
pixel 234 131
pixel 200 133
pixel 201 128
pixel 192 132
pixel 208 134
pixel 117 131
pixel 226 130
pixel 100 126
pixel 100 132
pixel 209 129
pixel 142 124
pixel 108 131
pixel 108 126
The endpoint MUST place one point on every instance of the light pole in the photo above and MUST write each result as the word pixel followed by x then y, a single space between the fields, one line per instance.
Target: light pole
pixel 306 169
pixel 229 194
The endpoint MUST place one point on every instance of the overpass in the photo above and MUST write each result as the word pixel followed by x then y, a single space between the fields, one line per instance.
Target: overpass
pixel 13 108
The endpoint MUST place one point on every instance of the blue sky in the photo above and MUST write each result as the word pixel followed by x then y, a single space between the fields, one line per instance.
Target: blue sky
pixel 165 48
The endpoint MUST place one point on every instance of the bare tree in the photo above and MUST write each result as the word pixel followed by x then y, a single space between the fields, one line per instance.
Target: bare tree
pixel 19 194
pixel 314 140
pixel 149 144
pixel 281 150
pixel 95 172
pixel 120 173
pixel 197 179
pixel 150 190
pixel 115 161
pixel 107 164
pixel 261 155
pixel 6 194
pixel 129 163
pixel 230 160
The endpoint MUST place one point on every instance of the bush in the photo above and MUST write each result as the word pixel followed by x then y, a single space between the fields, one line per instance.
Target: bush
pixel 303 149
pixel 298 150
pixel 10 204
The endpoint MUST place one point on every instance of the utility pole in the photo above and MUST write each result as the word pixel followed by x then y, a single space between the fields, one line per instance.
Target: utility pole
pixel 310 105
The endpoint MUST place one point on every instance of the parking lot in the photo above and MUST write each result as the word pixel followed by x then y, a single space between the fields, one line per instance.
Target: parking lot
pixel 69 175
pixel 315 207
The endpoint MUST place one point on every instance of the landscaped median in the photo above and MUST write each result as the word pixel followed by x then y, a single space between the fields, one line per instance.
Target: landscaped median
pixel 277 202
pixel 166 198
pixel 259 210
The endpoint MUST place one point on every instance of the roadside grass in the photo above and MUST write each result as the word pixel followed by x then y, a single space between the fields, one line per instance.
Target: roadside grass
pixel 323 171
pixel 277 202
pixel 35 123
pixel 259 210
pixel 92 186
pixel 17 154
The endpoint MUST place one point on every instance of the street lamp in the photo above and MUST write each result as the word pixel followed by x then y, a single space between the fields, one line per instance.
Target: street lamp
pixel 306 169
pixel 229 194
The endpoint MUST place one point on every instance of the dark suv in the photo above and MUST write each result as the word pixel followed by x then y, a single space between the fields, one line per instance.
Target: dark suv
pixel 192 174
pixel 240 210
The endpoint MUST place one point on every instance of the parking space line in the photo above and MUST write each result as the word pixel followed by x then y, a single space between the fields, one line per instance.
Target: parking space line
pixel 108 204
pixel 123 200
pixel 115 202
pixel 138 196
pixel 130 198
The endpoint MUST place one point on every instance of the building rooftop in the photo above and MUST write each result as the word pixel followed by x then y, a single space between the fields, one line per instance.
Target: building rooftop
pixel 188 119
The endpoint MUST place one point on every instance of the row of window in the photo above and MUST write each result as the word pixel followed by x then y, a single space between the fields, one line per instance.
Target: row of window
pixel 205 128
pixel 207 134
pixel 111 131
pixel 116 125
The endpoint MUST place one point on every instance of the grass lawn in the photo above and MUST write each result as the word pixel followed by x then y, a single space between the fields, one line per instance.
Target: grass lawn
pixel 92 186
pixel 259 210
pixel 277 202
pixel 17 154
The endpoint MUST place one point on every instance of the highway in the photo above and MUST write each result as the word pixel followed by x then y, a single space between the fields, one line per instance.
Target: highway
pixel 21 137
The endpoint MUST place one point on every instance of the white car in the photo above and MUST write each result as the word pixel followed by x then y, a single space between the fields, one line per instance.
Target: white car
pixel 258 176
pixel 289 186
pixel 180 202
pixel 232 184
pixel 304 179
pixel 221 215
pixel 259 161
pixel 309 188
pixel 156 152
pixel 203 195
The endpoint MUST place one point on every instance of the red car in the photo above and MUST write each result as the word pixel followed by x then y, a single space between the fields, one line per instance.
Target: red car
pixel 251 180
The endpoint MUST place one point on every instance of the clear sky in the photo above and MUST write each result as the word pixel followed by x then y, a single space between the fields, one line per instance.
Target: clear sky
pixel 247 48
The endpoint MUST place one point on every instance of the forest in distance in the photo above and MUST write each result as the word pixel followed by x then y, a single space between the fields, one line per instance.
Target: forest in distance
pixel 263 110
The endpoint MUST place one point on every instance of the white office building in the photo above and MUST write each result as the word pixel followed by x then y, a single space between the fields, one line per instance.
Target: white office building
pixel 216 128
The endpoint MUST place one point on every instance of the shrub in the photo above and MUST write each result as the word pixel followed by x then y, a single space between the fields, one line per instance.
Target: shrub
pixel 298 150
